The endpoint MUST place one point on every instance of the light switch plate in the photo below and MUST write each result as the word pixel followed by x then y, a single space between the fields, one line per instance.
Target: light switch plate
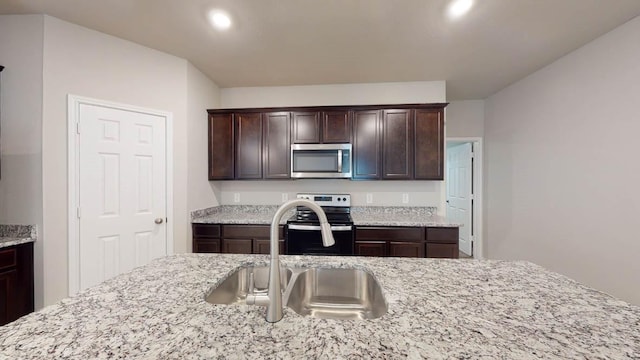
pixel 405 198
pixel 369 198
pixel 285 197
pixel 236 197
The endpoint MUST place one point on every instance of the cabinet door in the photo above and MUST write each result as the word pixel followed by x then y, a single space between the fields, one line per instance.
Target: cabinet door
pixel 277 149
pixel 206 245
pixel 263 246
pixel 366 144
pixel 8 282
pixel 449 251
pixel 371 248
pixel 406 249
pixel 397 144
pixel 221 147
pixel 248 146
pixel 429 144
pixel 236 246
pixel 336 127
pixel 305 128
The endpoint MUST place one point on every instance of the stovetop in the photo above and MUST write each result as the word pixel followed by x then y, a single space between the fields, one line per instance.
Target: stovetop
pixel 337 207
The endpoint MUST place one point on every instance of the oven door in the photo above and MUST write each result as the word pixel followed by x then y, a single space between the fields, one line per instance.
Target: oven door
pixel 306 239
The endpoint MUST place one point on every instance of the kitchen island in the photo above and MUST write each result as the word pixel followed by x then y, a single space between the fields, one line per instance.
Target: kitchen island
pixel 436 309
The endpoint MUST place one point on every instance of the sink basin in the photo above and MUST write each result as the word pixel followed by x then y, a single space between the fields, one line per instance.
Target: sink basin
pixel 337 294
pixel 234 289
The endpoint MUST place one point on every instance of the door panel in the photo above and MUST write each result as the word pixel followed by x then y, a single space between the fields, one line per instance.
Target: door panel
pixel 249 146
pixel 429 144
pixel 459 190
pixel 122 185
pixel 366 145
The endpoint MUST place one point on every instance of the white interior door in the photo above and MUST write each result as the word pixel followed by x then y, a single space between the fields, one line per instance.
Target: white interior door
pixel 459 192
pixel 122 191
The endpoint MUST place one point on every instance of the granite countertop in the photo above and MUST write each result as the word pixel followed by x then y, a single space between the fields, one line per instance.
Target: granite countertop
pixel 238 214
pixel 11 235
pixel 366 215
pixel 436 309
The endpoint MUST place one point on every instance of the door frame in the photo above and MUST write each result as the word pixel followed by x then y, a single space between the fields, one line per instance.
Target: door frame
pixel 73 189
pixel 478 245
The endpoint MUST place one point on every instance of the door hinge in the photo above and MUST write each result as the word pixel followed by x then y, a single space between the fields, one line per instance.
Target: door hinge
pixel 472 197
pixel 78 212
pixel 78 127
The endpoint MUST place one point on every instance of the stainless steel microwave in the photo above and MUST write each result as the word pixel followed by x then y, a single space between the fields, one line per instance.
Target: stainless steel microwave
pixel 321 161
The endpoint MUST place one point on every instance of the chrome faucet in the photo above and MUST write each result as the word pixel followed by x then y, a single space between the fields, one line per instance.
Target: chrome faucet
pixel 273 299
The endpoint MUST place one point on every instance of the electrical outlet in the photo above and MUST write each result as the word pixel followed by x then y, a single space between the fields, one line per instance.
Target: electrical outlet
pixel 236 197
pixel 405 198
pixel 369 198
pixel 285 197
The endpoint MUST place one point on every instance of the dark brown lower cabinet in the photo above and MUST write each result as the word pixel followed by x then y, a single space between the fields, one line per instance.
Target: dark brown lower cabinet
pixel 371 248
pixel 442 242
pixel 16 282
pixel 429 242
pixel 234 239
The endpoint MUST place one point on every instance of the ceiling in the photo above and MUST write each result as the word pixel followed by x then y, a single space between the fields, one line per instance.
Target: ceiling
pixel 304 42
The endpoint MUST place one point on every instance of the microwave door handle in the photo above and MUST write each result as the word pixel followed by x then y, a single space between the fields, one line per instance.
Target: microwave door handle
pixel 340 161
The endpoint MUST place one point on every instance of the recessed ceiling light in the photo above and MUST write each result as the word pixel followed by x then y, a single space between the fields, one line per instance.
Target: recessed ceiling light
pixel 219 19
pixel 458 8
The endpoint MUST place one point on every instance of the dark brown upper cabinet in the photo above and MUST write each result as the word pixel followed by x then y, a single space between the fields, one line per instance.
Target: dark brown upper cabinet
pixel 248 146
pixel 318 127
pixel 429 144
pixel 389 142
pixel 336 127
pixel 221 147
pixel 397 144
pixel 366 145
pixel 276 152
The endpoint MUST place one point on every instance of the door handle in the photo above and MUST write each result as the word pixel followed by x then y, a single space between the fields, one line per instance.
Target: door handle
pixel 158 221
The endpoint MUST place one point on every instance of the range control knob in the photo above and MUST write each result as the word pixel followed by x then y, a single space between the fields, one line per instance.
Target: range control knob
pixel 344 199
pixel 339 199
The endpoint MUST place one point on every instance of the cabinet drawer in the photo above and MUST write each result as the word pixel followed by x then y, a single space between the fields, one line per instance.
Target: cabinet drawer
pixel 263 246
pixel 206 246
pixel 390 233
pixel 406 249
pixel 237 246
pixel 248 231
pixel 7 258
pixel 371 248
pixel 442 235
pixel 449 251
pixel 206 230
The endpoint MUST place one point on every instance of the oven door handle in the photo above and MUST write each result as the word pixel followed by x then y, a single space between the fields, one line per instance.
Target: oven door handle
pixel 317 227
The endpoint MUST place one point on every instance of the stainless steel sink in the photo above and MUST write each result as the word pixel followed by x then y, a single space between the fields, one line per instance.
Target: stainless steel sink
pixel 336 294
pixel 234 289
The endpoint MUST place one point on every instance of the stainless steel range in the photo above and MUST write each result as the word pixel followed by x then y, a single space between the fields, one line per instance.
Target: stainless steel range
pixel 303 229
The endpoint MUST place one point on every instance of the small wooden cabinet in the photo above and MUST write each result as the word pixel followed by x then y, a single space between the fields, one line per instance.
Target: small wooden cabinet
pixel 442 242
pixel 429 144
pixel 390 241
pixel 366 145
pixel 321 127
pixel 397 144
pixel 433 242
pixel 16 282
pixel 234 239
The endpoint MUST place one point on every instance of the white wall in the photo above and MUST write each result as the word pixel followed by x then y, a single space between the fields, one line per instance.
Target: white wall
pixel 562 165
pixel 84 62
pixel 421 193
pixel 21 39
pixel 465 118
pixel 202 94
pixel 338 94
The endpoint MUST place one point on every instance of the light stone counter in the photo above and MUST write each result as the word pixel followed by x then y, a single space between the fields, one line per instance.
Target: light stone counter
pixel 399 216
pixel 369 216
pixel 238 214
pixel 11 235
pixel 438 309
